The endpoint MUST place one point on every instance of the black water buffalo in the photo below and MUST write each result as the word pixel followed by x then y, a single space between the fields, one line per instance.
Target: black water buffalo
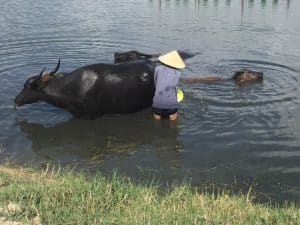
pixel 121 57
pixel 94 90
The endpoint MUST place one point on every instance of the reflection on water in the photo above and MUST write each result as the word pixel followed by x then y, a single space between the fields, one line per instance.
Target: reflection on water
pixel 87 140
pixel 224 133
pixel 104 145
pixel 243 3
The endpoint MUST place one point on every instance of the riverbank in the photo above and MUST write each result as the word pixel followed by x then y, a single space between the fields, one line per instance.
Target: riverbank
pixel 29 196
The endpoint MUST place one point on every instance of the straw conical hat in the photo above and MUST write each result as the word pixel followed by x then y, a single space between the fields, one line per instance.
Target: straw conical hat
pixel 172 59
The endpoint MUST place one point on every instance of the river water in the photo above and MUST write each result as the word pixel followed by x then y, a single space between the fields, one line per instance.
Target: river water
pixel 225 134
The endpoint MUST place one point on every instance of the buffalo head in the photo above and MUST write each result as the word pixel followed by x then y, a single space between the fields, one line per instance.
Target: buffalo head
pixel 246 76
pixel 33 87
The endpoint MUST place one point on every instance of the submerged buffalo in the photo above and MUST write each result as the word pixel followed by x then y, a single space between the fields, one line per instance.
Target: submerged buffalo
pixel 121 57
pixel 93 90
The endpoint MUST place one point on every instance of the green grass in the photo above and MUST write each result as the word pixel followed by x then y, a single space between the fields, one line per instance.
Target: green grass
pixel 78 198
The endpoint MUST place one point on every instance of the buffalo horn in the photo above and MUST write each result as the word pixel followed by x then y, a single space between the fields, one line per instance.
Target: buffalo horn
pixel 41 73
pixel 56 68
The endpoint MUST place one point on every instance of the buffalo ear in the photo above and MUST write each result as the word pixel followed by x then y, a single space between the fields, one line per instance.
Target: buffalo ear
pixel 36 82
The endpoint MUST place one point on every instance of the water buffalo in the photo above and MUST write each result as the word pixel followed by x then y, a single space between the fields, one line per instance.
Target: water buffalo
pixel 121 57
pixel 93 90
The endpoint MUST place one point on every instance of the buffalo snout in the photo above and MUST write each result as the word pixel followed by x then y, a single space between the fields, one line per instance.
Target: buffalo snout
pixel 18 100
pixel 27 97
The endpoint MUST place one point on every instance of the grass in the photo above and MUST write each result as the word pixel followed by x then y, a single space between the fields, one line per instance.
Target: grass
pixel 53 197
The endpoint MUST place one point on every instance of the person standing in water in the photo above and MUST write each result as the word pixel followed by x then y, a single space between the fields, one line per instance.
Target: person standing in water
pixel 166 78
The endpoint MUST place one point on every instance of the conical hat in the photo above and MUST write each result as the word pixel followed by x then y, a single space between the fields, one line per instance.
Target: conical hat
pixel 172 59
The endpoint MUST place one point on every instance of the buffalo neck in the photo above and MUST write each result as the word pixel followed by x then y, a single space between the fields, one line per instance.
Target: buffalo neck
pixel 59 91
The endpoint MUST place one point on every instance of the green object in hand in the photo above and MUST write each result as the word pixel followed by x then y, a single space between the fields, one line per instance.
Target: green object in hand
pixel 179 94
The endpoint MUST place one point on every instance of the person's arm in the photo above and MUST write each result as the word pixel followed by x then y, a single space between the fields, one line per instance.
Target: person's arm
pixel 192 80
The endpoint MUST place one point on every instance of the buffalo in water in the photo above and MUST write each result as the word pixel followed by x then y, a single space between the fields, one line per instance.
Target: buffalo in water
pixel 93 90
pixel 121 57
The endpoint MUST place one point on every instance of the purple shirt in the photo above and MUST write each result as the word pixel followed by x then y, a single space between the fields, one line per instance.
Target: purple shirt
pixel 165 82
